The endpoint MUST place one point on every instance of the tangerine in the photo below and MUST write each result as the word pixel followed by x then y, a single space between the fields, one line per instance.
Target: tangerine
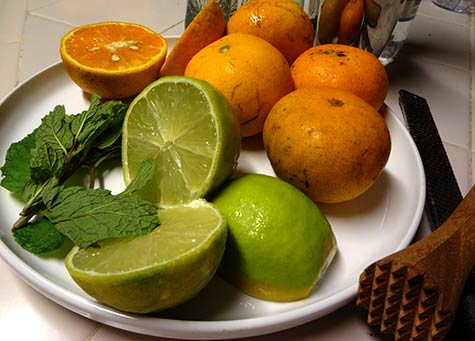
pixel 251 73
pixel 329 143
pixel 283 23
pixel 113 59
pixel 344 67
pixel 206 27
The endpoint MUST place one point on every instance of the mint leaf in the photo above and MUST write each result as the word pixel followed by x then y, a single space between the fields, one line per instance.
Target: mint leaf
pixel 101 124
pixel 98 131
pixel 55 130
pixel 86 216
pixel 39 165
pixel 16 170
pixel 46 162
pixel 144 175
pixel 54 140
pixel 39 237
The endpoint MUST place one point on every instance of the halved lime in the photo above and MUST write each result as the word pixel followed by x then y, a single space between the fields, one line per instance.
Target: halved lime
pixel 158 270
pixel 187 127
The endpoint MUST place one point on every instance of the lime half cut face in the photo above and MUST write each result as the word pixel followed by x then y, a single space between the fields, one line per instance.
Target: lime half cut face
pixel 156 271
pixel 187 128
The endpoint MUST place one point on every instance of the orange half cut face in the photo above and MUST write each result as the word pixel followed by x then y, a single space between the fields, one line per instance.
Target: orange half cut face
pixel 113 59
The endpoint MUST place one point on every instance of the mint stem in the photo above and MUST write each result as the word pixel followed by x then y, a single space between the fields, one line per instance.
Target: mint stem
pixel 26 215
pixel 33 205
pixel 92 176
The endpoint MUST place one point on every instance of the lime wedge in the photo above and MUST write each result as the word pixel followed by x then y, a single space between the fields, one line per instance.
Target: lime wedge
pixel 187 127
pixel 158 270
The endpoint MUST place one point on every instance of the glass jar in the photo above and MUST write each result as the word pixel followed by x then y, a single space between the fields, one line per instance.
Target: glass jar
pixel 400 32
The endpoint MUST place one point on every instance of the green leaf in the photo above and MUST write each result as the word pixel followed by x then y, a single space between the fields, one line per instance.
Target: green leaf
pixel 91 127
pixel 97 156
pixel 55 130
pixel 114 132
pixel 41 162
pixel 54 139
pixel 39 237
pixel 46 162
pixel 86 216
pixel 144 175
pixel 34 190
pixel 16 169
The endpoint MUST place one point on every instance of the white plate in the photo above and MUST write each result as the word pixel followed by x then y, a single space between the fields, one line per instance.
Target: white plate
pixel 378 223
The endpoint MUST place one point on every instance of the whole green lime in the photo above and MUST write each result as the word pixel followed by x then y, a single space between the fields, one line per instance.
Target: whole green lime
pixel 279 242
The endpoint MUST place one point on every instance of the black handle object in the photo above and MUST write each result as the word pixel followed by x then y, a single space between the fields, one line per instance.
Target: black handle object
pixel 442 191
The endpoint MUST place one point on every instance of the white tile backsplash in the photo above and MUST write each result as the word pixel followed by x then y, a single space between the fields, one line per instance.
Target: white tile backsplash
pixel 8 67
pixel 159 15
pixel 12 14
pixel 41 45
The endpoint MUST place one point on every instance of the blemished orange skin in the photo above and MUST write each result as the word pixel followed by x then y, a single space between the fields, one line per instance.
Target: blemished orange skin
pixel 283 23
pixel 113 59
pixel 327 142
pixel 206 27
pixel 251 73
pixel 343 67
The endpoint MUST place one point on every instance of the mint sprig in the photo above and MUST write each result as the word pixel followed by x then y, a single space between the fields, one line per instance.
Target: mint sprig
pixel 38 166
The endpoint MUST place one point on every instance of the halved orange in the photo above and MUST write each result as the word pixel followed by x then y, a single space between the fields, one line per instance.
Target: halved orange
pixel 113 59
pixel 207 27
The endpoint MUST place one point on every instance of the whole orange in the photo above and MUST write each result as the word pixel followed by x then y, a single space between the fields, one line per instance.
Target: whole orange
pixel 283 23
pixel 328 142
pixel 251 73
pixel 344 67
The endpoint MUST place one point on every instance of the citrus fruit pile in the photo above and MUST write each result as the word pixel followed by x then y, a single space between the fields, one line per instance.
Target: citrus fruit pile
pixel 258 74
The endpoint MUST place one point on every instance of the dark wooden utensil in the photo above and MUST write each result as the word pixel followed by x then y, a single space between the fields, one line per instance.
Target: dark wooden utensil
pixel 413 294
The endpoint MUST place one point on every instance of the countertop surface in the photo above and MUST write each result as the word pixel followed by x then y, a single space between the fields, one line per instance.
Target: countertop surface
pixel 437 62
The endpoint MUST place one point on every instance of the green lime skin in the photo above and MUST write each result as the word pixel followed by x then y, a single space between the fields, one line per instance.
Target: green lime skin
pixel 279 242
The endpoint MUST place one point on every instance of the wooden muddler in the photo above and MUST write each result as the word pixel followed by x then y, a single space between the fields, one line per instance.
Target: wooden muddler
pixel 414 293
